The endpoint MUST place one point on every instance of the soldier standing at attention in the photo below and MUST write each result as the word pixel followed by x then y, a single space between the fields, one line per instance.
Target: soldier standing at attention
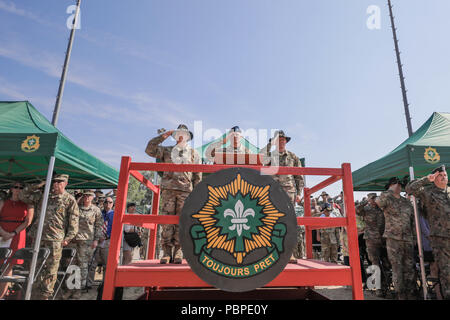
pixel 329 239
pixel 292 185
pixel 87 238
pixel 175 186
pixel 434 193
pixel 373 234
pixel 399 233
pixel 60 227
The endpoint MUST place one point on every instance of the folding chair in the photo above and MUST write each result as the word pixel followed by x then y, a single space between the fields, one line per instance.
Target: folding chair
pixel 5 253
pixel 68 254
pixel 26 254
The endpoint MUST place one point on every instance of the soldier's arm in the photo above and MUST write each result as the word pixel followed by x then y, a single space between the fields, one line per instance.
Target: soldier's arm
pixel 299 179
pixel 196 176
pixel 73 216
pixel 360 209
pixel 98 234
pixel 416 187
pixel 382 200
pixel 31 193
pixel 153 147
pixel 265 153
pixel 210 151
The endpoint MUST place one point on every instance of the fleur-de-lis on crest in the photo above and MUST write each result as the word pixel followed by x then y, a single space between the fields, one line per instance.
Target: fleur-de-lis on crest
pixel 239 217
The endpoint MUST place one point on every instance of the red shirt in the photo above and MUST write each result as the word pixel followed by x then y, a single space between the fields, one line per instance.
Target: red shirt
pixel 12 215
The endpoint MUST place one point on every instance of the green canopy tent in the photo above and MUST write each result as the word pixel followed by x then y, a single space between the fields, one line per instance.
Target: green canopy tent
pixel 425 150
pixel 28 140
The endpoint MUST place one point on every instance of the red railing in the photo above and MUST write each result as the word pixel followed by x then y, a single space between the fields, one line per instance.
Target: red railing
pixel 128 168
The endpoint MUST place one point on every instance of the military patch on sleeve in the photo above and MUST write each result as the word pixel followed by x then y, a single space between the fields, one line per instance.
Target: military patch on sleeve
pixel 238 229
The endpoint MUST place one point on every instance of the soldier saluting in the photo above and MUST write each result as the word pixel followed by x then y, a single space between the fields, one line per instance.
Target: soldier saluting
pixel 175 186
pixel 60 227
pixel 373 233
pixel 434 193
pixel 399 233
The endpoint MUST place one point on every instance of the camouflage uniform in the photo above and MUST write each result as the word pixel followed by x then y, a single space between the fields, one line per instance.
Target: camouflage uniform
pixel 299 249
pixel 32 197
pixel 437 210
pixel 90 229
pixel 292 185
pixel 175 186
pixel 329 244
pixel 399 234
pixel 60 224
pixel 210 151
pixel 373 233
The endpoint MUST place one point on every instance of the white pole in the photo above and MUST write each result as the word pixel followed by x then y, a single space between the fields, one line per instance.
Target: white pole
pixel 51 164
pixel 419 239
pixel 41 218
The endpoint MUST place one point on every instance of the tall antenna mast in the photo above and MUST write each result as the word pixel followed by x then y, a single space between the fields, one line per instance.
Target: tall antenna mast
pixel 400 72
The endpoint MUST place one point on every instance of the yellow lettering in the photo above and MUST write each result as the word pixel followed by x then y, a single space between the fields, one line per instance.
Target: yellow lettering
pixel 262 265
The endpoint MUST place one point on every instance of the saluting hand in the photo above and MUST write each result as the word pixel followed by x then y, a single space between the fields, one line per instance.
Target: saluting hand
pixel 167 134
pixel 432 177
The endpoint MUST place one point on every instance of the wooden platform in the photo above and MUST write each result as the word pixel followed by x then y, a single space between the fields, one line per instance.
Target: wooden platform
pixel 306 273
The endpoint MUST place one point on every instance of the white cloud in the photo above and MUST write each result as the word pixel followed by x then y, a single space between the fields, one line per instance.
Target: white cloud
pixel 10 7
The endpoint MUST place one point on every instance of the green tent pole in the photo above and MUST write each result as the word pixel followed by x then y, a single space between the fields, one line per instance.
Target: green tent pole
pixel 51 164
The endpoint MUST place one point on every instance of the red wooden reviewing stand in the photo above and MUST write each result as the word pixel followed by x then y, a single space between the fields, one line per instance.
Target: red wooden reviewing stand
pixel 164 278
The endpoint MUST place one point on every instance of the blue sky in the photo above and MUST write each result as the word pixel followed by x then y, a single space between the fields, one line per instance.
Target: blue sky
pixel 312 68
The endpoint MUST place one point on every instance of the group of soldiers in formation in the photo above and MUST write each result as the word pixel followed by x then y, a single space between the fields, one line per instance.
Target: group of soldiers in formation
pixel 72 220
pixel 389 218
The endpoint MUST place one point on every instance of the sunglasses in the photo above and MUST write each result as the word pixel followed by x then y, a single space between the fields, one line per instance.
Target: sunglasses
pixel 18 187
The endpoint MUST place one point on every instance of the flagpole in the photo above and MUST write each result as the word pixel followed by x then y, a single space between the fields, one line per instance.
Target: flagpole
pixel 51 164
pixel 410 133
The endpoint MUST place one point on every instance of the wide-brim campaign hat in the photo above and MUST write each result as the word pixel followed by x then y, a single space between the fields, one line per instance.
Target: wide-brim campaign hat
pixel 280 134
pixel 183 128
pixel 393 180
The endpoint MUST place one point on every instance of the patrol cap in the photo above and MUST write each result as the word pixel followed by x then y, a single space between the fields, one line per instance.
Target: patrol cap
pixel 393 180
pixel 439 169
pixel 88 192
pixel 371 195
pixel 183 128
pixel 61 177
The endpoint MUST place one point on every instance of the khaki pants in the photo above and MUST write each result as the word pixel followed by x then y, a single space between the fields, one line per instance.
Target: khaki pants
pixel 172 203
pixel 45 283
